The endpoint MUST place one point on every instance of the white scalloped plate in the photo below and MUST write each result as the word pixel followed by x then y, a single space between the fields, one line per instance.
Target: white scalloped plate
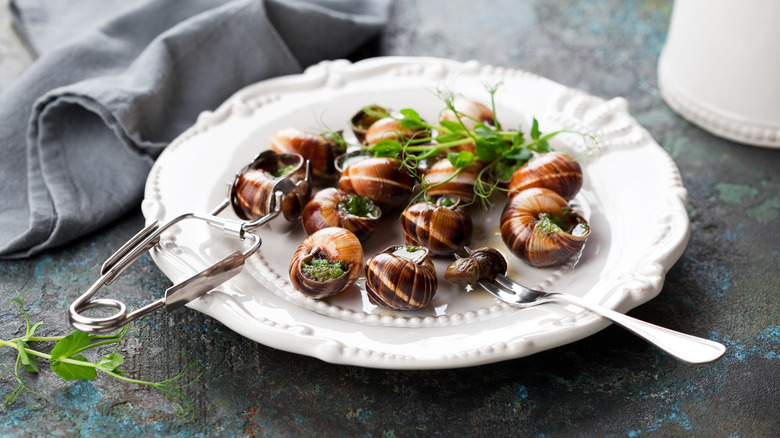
pixel 632 195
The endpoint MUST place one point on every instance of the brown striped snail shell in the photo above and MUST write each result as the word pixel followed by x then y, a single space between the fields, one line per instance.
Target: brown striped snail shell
pixel 556 171
pixel 481 264
pixel 538 226
pixel 462 185
pixel 331 208
pixel 383 180
pixel 334 246
pixel 251 193
pixel 401 278
pixel 320 150
pixel 444 230
pixel 389 128
pixel 363 119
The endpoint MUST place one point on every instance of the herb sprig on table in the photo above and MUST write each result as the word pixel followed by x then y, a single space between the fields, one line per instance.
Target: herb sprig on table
pixel 68 362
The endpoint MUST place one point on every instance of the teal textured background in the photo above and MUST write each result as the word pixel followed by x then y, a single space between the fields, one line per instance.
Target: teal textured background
pixel 725 286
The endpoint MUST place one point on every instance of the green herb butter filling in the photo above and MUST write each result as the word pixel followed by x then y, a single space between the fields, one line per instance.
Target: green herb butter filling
pixel 566 220
pixel 321 269
pixel 447 201
pixel 360 206
pixel 283 171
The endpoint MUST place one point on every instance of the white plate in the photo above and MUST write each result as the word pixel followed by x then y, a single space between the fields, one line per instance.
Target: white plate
pixel 632 195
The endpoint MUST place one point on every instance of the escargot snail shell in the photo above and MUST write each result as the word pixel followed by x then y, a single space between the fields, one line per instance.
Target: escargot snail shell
pixel 383 180
pixel 529 237
pixel 556 171
pixel 397 282
pixel 325 210
pixel 389 128
pixel 443 230
pixel 462 185
pixel 363 119
pixel 251 193
pixel 481 264
pixel 318 149
pixel 335 245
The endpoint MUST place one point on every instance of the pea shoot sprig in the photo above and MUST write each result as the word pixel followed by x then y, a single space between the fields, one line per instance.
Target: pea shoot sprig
pixel 68 362
pixel 499 152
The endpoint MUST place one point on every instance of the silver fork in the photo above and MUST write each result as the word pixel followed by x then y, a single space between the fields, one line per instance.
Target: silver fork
pixel 684 347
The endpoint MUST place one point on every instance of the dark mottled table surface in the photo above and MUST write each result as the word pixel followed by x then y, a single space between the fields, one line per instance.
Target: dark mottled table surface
pixel 725 286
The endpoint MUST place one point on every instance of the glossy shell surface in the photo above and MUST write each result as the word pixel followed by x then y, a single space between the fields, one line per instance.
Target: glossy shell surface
pixel 389 128
pixel 556 171
pixel 335 245
pixel 398 283
pixel 251 193
pixel 440 176
pixel 443 230
pixel 321 151
pixel 384 180
pixel 527 239
pixel 324 210
pixel 363 119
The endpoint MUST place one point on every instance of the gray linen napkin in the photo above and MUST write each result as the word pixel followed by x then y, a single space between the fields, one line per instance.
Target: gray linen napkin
pixel 117 80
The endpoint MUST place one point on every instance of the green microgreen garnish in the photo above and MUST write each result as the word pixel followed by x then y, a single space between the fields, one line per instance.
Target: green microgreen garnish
pixel 68 362
pixel 500 151
pixel 320 269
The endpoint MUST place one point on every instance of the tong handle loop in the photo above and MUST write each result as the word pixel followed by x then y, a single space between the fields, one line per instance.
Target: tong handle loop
pixel 175 296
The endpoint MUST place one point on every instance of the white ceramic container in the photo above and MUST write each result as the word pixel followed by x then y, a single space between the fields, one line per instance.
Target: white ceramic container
pixel 720 68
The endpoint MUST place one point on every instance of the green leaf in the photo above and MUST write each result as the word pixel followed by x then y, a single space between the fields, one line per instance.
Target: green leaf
pixel 461 159
pixel 452 126
pixel 504 169
pixel 535 133
pixel 111 362
pixel 31 331
pixel 486 133
pixel 69 345
pixel 518 139
pixel 69 371
pixel 411 119
pixel 519 154
pixel 446 138
pixel 28 362
pixel 489 144
pixel 386 148
pixel 484 150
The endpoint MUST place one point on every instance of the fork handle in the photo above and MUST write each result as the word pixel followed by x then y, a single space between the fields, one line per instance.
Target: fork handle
pixel 685 347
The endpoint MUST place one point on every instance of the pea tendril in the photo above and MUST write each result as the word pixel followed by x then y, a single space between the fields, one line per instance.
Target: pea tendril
pixel 498 151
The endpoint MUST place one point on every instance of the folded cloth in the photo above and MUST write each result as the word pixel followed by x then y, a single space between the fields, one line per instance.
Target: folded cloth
pixel 115 81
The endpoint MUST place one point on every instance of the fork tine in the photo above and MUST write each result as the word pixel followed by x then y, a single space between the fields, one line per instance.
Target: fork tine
pixel 508 296
pixel 508 283
pixel 523 293
pixel 499 293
